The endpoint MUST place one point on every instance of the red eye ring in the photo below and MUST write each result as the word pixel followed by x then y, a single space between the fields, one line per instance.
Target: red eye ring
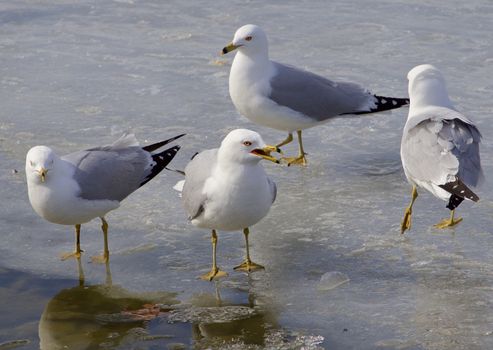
pixel 248 38
pixel 247 143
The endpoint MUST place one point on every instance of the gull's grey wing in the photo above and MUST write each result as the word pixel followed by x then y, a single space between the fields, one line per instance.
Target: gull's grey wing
pixel 109 173
pixel 315 96
pixel 273 189
pixel 196 173
pixel 438 150
pixel 112 172
pixel 162 159
pixel 465 139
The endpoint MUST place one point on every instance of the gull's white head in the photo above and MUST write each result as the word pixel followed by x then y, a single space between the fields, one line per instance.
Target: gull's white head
pixel 245 146
pixel 250 40
pixel 427 87
pixel 39 161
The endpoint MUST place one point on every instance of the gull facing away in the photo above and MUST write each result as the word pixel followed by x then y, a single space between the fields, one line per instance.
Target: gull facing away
pixel 440 146
pixel 227 189
pixel 290 99
pixel 80 186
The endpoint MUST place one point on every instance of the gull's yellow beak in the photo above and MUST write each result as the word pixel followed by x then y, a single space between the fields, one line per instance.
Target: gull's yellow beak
pixel 228 48
pixel 42 174
pixel 265 153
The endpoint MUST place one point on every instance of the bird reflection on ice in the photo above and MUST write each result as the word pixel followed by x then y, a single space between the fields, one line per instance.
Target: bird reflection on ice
pixel 217 321
pixel 94 316
pixel 220 323
pixel 110 317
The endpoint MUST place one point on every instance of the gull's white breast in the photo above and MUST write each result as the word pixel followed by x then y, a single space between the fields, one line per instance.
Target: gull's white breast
pixel 236 199
pixel 57 201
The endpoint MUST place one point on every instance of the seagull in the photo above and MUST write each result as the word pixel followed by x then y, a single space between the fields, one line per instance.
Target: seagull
pixel 227 189
pixel 440 146
pixel 80 186
pixel 290 99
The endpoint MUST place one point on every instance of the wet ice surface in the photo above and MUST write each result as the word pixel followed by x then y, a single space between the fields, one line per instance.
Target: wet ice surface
pixel 78 74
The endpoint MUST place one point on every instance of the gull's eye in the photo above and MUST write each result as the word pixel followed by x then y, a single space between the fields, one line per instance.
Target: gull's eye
pixel 248 38
pixel 32 163
pixel 247 143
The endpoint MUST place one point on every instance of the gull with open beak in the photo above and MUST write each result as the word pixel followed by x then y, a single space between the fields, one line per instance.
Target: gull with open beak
pixel 80 186
pixel 227 189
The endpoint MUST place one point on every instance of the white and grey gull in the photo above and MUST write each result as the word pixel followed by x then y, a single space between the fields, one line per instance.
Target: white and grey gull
pixel 439 147
pixel 286 98
pixel 227 189
pixel 78 187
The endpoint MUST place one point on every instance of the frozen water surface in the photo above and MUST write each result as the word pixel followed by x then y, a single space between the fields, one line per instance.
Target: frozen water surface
pixel 79 73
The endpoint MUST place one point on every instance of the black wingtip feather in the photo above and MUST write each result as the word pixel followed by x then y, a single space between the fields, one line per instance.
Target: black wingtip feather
pixel 454 201
pixel 155 146
pixel 161 161
pixel 385 104
pixel 459 189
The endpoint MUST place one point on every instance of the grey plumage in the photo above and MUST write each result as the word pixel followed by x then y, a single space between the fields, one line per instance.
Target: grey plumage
pixel 112 172
pixel 196 173
pixel 315 96
pixel 109 174
pixel 426 139
pixel 465 139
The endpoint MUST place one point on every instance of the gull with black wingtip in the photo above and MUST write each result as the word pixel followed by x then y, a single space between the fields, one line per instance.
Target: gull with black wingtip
pixel 80 186
pixel 290 99
pixel 440 146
